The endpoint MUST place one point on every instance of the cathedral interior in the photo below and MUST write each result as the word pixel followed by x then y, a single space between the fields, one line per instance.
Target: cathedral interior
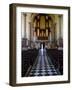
pixel 42 44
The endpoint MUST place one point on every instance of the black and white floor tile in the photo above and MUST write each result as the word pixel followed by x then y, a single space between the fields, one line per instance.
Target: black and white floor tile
pixel 43 65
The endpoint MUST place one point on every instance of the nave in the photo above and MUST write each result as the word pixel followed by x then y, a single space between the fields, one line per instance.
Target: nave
pixel 43 65
pixel 42 44
pixel 42 62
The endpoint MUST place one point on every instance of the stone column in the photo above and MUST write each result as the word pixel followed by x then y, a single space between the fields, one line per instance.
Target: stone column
pixel 30 33
pixel 56 23
pixel 24 25
pixel 50 37
pixel 60 31
pixel 23 29
pixel 59 26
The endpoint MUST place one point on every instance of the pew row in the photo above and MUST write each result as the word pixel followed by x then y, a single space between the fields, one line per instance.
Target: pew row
pixel 56 58
pixel 28 58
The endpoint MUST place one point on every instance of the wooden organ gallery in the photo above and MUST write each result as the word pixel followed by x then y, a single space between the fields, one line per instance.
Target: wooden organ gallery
pixel 42 36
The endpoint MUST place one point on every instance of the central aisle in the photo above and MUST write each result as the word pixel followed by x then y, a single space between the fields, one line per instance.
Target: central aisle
pixel 43 65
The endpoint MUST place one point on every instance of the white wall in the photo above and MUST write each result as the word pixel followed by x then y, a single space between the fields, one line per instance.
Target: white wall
pixel 4 45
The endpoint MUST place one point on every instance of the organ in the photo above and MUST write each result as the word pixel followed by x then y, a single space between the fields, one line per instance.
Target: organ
pixel 41 26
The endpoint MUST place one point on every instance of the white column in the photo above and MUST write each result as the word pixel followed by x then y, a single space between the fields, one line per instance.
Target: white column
pixel 22 25
pixel 62 26
pixel 59 26
pixel 30 30
pixel 28 21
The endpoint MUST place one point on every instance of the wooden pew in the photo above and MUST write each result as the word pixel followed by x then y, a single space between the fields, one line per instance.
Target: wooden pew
pixel 28 58
pixel 53 54
pixel 60 54
pixel 56 58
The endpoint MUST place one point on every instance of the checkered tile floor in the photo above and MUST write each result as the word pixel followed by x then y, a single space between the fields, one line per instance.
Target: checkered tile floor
pixel 43 66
